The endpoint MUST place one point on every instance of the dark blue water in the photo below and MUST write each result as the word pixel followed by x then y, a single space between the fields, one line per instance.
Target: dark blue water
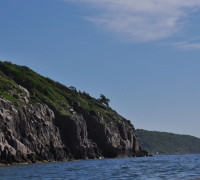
pixel 157 167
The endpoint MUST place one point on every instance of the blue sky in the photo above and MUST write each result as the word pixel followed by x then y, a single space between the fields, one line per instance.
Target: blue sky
pixel 143 55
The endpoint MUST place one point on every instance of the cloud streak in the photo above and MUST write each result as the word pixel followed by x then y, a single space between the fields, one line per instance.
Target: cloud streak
pixel 186 45
pixel 142 20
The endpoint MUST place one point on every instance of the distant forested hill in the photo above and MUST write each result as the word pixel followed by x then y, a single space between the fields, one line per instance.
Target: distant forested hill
pixel 168 143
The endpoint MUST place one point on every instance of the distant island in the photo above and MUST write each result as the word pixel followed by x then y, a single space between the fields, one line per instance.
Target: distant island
pixel 43 120
pixel 168 143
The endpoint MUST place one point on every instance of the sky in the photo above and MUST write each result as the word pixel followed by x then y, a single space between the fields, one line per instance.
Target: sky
pixel 142 55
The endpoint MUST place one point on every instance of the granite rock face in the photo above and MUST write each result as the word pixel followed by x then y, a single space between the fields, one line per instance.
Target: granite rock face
pixel 115 138
pixel 28 134
pixel 32 133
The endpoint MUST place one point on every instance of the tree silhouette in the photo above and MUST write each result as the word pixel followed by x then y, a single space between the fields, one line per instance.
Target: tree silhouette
pixel 104 100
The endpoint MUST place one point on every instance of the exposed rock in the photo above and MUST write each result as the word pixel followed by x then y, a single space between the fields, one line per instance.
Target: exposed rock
pixel 115 138
pixel 74 135
pixel 28 134
pixel 35 133
pixel 45 120
pixel 25 91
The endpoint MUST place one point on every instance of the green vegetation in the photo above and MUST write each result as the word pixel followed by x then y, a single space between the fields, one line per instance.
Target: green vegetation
pixel 168 143
pixel 47 91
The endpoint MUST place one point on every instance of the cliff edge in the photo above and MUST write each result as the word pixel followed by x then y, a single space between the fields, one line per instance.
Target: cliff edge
pixel 42 120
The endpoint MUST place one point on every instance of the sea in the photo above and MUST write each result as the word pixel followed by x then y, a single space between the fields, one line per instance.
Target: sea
pixel 183 167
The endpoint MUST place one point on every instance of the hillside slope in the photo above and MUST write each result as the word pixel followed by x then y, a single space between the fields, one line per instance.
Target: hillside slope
pixel 44 120
pixel 168 143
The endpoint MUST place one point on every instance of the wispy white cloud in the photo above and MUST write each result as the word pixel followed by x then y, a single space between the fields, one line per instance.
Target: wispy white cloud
pixel 142 20
pixel 186 45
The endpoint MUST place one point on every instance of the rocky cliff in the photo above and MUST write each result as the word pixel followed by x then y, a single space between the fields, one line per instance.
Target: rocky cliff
pixel 49 122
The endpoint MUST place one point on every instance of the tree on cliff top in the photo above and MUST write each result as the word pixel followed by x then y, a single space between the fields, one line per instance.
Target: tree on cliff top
pixel 104 100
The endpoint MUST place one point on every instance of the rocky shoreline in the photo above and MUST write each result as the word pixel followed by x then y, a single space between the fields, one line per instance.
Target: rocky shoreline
pixel 37 133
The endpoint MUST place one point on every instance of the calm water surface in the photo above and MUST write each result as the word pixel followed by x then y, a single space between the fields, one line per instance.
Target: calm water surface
pixel 157 167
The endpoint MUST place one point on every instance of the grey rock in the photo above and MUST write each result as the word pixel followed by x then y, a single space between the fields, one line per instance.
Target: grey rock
pixel 28 134
pixel 36 133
